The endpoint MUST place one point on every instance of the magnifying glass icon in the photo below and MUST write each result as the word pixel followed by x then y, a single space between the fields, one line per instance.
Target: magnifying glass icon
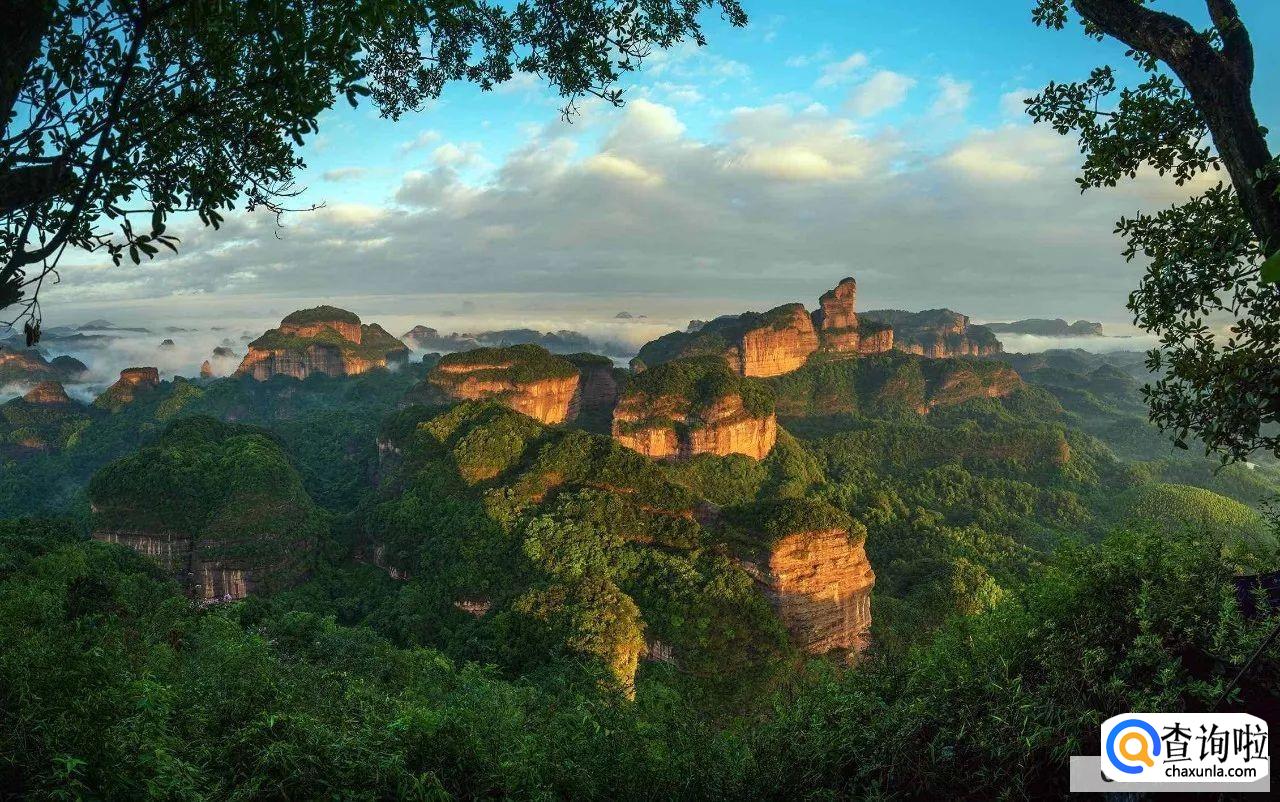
pixel 1134 746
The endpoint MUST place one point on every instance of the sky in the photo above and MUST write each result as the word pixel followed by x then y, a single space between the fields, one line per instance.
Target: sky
pixel 855 137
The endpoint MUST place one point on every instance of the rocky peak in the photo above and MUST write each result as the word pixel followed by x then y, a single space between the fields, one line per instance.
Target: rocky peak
pixel 836 319
pixel 526 378
pixel 206 370
pixel 132 383
pixel 47 393
pixel 140 377
pixel 838 307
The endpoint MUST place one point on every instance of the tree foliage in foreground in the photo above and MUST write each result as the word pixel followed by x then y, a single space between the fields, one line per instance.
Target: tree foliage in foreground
pixel 119 114
pixel 114 686
pixel 1192 114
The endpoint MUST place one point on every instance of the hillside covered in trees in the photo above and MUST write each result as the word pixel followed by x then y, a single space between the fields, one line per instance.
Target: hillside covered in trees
pixel 303 587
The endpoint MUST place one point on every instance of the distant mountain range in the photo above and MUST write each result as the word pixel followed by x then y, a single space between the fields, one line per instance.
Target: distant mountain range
pixel 565 341
pixel 1049 328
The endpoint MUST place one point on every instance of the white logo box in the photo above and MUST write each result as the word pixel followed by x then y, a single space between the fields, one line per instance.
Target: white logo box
pixel 1185 748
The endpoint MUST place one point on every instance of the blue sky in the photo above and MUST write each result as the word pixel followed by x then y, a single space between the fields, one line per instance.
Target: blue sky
pixel 882 140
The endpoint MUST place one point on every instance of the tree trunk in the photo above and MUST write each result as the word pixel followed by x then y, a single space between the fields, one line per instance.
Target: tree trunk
pixel 1220 84
pixel 1227 106
pixel 24 27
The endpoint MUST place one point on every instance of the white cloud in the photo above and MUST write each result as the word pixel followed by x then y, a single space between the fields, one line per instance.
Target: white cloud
pixel 344 174
pixel 457 156
pixel 880 92
pixel 839 72
pixel 953 96
pixel 615 166
pixel 686 94
pixel 1012 105
pixel 1010 154
pixel 422 140
pixel 822 54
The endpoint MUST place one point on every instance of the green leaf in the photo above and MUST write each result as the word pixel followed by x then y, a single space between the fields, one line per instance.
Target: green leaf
pixel 1271 269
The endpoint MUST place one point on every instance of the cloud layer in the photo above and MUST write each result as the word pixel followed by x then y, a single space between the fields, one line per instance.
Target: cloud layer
pixel 775 204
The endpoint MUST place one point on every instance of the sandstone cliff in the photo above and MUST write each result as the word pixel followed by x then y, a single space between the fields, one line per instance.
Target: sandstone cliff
pixel 810 561
pixel 197 565
pixel 751 344
pixel 820 583
pixel 836 318
pixel 526 378
pixel 694 406
pixel 324 340
pixel 874 337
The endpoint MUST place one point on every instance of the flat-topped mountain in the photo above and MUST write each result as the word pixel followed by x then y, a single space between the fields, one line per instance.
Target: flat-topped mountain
pixel 695 406
pixel 526 378
pixel 1049 328
pixel 752 344
pixel 323 339
pixel 47 393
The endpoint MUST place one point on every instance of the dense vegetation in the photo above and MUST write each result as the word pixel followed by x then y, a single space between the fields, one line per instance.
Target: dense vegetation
pixel 1041 561
pixel 689 386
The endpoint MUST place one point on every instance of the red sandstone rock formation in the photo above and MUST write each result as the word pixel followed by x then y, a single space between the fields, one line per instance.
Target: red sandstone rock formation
pixel 820 585
pixel 662 422
pixel 837 318
pixel 132 383
pixel 874 338
pixel 324 340
pixel 779 346
pixel 47 393
pixel 206 370
pixel 526 378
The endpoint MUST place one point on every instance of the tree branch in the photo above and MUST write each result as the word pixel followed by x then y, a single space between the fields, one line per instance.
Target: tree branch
pixel 1170 39
pixel 1236 44
pixel 23 257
